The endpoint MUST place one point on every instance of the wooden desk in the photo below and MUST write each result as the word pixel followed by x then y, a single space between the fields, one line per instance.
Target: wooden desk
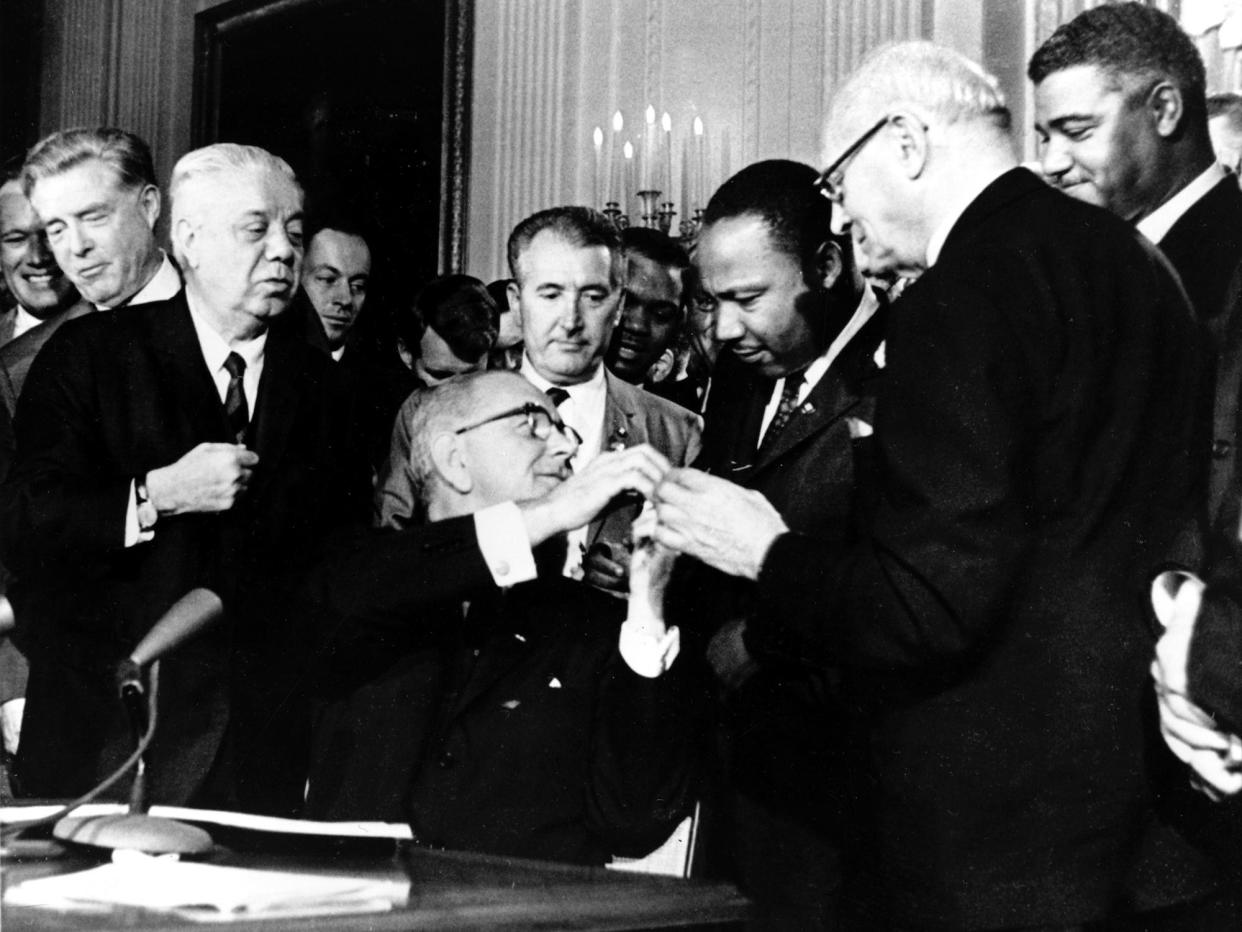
pixel 447 890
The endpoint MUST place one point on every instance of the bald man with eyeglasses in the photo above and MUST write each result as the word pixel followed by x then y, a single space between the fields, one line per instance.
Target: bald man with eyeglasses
pixel 473 689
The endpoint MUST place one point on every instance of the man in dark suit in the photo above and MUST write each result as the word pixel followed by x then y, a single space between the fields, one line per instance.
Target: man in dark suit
pixel 498 708
pixel 568 266
pixel 1036 455
pixel 336 281
pixel 42 296
pixel 1121 108
pixel 789 418
pixel 182 443
pixel 95 192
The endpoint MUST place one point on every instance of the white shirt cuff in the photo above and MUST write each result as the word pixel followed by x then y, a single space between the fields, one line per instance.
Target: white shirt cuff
pixel 645 652
pixel 133 533
pixel 506 548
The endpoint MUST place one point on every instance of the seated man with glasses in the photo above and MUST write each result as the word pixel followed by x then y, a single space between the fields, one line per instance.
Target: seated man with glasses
pixel 475 691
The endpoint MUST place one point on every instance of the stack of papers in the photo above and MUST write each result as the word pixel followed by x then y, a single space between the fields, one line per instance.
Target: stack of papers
pixel 206 892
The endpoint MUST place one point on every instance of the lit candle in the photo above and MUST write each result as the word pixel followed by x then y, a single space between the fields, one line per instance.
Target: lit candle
pixel 666 140
pixel 614 157
pixel 701 167
pixel 628 178
pixel 687 208
pixel 598 138
pixel 648 167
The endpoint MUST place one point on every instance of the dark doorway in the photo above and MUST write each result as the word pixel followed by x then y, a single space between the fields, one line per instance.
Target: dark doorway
pixel 353 94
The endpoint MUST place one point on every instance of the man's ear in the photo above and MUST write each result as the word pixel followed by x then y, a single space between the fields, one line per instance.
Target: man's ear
pixel 913 147
pixel 448 459
pixel 514 294
pixel 184 236
pixel 149 200
pixel 829 264
pixel 1166 107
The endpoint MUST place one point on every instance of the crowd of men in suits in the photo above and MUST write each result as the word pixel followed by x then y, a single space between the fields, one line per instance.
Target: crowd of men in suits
pixel 880 577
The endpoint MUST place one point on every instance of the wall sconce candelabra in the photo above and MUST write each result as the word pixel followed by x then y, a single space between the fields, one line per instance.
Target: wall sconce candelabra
pixel 647 171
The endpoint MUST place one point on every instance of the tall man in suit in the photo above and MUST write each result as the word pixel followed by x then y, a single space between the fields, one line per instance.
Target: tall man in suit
pixel 41 294
pixel 790 419
pixel 477 692
pixel 180 443
pixel 95 192
pixel 1036 453
pixel 1121 110
pixel 568 265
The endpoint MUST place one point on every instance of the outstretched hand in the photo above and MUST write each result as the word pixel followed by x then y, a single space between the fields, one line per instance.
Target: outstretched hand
pixel 715 521
pixel 577 500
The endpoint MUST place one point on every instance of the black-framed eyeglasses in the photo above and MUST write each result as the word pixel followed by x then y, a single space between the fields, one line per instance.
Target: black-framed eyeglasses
pixel 829 181
pixel 539 421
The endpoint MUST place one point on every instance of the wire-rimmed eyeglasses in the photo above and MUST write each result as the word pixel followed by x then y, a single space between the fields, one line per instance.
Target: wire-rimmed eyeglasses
pixel 539 421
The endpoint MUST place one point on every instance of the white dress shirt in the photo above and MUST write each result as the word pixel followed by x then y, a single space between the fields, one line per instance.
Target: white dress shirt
pixel 215 350
pixel 23 320
pixel 584 411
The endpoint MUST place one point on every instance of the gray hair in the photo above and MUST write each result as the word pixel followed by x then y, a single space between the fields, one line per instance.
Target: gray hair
pixel 214 163
pixel 444 407
pixel 923 75
pixel 125 153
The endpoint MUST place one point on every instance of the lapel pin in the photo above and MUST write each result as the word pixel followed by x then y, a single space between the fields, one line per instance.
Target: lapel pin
pixel 554 683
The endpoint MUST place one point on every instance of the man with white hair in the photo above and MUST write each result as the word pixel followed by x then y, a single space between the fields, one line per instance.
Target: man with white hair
pixel 182 443
pixel 1038 450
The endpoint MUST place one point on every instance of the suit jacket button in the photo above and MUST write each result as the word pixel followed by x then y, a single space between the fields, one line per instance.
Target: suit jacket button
pixel 447 760
pixel 1221 449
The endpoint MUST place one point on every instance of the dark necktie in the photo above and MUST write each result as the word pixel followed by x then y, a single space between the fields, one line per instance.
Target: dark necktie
pixel 235 407
pixel 558 395
pixel 785 409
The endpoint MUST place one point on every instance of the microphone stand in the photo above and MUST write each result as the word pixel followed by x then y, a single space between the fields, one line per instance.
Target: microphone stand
pixel 136 830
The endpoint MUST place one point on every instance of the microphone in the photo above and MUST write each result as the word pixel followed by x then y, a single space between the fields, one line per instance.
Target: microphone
pixel 136 830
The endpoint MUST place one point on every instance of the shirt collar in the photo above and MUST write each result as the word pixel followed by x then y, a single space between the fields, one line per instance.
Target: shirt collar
pixel 216 349
pixel 1156 225
pixel 592 386
pixel 965 198
pixel 866 309
pixel 23 320
pixel 164 284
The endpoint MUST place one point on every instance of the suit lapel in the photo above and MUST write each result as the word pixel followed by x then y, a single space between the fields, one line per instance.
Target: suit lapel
pixel 183 372
pixel 839 392
pixel 8 321
pixel 276 407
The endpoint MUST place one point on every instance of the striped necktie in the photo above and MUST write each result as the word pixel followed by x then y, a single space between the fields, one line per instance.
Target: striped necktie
pixel 235 407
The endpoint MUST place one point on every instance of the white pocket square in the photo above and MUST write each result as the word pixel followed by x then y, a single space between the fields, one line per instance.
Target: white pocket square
pixel 858 428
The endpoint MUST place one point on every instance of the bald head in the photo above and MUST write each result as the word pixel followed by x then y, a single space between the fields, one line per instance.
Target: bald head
pixel 484 438
pixel 910 138
pixel 935 82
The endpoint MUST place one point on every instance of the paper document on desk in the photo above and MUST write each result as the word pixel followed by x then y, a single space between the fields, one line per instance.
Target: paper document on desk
pixel 207 892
